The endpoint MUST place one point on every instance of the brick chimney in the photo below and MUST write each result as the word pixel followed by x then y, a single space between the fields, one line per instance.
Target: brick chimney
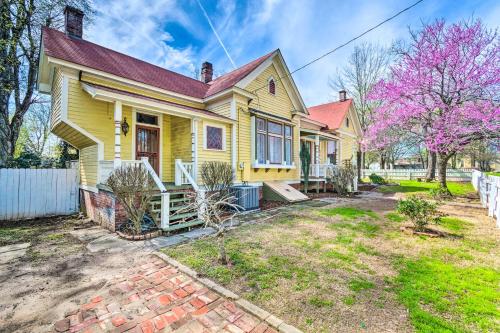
pixel 207 72
pixel 73 22
pixel 342 95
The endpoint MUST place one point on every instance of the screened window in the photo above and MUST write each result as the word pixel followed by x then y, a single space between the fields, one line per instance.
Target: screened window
pixel 274 142
pixel 214 138
pixel 147 119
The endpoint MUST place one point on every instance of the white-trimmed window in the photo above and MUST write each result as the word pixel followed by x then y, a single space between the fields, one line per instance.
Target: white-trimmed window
pixel 214 137
pixel 271 86
pixel 273 142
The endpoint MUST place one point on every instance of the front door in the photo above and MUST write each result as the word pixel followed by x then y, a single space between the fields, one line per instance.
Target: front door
pixel 147 144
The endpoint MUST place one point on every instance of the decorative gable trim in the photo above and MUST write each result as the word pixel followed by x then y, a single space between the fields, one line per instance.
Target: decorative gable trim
pixel 287 80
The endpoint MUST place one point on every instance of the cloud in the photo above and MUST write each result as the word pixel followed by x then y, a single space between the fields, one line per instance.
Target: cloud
pixel 135 28
pixel 302 29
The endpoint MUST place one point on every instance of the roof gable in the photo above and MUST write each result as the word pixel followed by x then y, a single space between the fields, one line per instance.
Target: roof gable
pixel 332 114
pixel 284 77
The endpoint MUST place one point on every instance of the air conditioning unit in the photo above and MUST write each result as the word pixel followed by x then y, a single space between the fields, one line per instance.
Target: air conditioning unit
pixel 246 196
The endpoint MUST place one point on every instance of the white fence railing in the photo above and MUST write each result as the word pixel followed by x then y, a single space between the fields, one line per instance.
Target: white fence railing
pixel 488 188
pixel 320 170
pixel 106 167
pixel 30 193
pixel 185 173
pixel 409 174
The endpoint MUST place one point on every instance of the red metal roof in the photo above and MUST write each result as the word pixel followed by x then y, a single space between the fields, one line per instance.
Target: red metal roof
pixel 58 45
pixel 331 114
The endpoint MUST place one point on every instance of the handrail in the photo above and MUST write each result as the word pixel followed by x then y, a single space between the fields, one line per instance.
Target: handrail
pixel 153 174
pixel 180 165
pixel 165 196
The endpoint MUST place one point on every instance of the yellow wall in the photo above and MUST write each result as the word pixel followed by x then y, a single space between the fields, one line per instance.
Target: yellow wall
pixel 205 155
pixel 88 165
pixel 55 115
pixel 97 118
pixel 280 105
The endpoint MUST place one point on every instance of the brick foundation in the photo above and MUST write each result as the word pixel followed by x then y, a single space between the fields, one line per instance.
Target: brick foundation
pixel 103 208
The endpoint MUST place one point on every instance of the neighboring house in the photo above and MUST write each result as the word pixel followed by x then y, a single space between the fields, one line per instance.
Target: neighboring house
pixel 116 109
pixel 332 131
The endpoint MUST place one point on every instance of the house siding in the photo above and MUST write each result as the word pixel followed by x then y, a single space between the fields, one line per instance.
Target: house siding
pixel 56 94
pixel 88 165
pixel 280 105
pixel 206 155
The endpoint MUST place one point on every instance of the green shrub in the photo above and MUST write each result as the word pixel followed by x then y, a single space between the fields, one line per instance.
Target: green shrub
pixel 420 211
pixel 439 193
pixel 376 179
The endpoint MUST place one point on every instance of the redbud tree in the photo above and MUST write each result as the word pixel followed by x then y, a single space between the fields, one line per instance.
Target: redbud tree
pixel 443 88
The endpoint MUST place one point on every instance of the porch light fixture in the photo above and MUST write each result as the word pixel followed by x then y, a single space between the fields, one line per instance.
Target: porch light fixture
pixel 125 126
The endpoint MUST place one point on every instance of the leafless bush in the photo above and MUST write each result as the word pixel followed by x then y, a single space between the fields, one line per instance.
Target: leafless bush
pixel 217 211
pixel 134 187
pixel 342 178
pixel 217 176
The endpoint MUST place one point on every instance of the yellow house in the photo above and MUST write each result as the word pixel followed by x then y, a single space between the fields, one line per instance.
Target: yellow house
pixel 332 133
pixel 119 110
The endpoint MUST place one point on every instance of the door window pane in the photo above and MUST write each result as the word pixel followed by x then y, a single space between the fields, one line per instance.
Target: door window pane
pixel 147 119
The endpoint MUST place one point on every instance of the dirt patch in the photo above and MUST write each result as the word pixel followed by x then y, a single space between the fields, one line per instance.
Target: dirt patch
pixel 56 273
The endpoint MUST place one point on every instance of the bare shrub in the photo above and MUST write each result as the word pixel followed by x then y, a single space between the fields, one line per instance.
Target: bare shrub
pixel 134 187
pixel 342 178
pixel 217 176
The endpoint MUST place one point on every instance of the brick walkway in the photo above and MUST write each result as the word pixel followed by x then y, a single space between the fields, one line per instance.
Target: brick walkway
pixel 156 297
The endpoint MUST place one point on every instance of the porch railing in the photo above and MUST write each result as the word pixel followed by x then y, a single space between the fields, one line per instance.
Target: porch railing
pixel 318 170
pixel 106 167
pixel 185 174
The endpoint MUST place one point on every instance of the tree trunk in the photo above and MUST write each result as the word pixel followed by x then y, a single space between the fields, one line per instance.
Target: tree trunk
pixel 359 163
pixel 431 166
pixel 382 161
pixel 222 250
pixel 442 166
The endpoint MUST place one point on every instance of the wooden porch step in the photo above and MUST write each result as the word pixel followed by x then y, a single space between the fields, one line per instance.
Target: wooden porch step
pixel 183 216
pixel 188 224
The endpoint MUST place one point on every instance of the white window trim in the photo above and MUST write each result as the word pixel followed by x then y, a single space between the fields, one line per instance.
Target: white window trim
pixel 268 165
pixel 205 125
pixel 275 86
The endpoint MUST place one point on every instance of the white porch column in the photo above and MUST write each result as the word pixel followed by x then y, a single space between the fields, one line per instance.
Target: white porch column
pixel 316 154
pixel 117 162
pixel 194 147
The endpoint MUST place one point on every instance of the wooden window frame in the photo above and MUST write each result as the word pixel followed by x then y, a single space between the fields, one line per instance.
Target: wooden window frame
pixel 267 134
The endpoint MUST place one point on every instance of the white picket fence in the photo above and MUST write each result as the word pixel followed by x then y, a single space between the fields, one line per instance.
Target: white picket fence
pixel 30 193
pixel 488 188
pixel 458 175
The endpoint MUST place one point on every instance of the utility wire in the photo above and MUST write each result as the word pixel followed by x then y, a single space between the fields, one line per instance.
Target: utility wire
pixel 344 44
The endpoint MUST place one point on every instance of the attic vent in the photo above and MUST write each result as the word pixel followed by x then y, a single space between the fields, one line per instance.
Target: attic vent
pixel 272 86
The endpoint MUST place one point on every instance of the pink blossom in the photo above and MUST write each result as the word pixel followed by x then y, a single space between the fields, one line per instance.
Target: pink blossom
pixel 444 89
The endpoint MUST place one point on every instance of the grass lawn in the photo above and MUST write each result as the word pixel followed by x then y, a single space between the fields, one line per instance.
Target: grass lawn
pixel 493 173
pixel 410 186
pixel 350 268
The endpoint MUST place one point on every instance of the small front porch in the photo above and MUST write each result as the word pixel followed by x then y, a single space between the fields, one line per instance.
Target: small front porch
pixel 323 148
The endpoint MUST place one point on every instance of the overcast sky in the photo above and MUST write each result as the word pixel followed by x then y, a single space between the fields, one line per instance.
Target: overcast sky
pixel 177 34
